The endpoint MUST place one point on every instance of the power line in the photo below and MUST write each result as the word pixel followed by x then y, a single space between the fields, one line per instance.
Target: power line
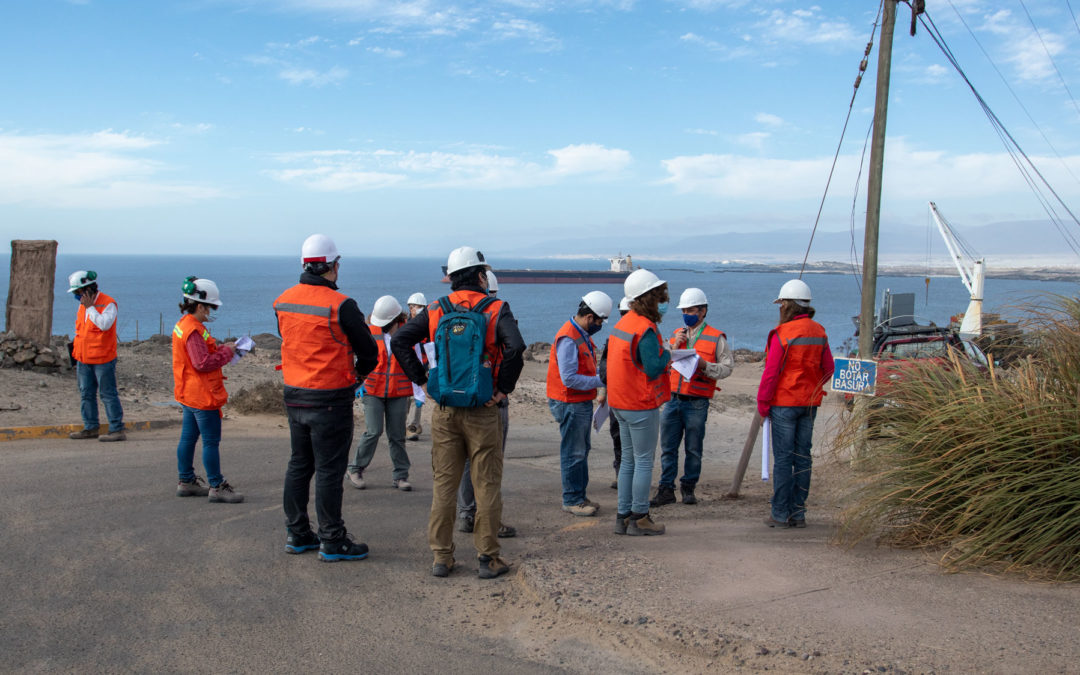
pixel 1049 56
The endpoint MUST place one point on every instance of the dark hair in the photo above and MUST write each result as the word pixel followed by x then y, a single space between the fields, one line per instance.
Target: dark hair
pixel 583 309
pixel 89 288
pixel 469 276
pixel 319 268
pixel 646 303
pixel 789 309
pixel 188 306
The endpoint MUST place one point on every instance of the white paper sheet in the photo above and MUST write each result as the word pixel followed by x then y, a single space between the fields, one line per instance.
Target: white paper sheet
pixel 418 393
pixel 429 349
pixel 685 361
pixel 766 443
pixel 599 416
pixel 242 346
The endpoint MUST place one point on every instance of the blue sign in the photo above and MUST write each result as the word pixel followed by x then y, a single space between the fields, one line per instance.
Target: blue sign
pixel 853 376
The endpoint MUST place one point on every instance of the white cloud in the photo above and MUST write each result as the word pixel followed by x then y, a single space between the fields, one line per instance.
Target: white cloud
pixel 313 77
pixel 387 52
pixel 589 158
pixel 753 139
pixel 769 120
pixel 701 132
pixel 720 48
pixel 1022 48
pixel 806 27
pixel 94 170
pixel 523 29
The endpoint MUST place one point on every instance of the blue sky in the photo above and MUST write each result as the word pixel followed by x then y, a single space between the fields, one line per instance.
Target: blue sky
pixel 408 128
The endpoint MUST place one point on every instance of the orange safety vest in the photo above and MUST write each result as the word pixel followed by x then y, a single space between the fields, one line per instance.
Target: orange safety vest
pixel 586 365
pixel 388 380
pixel 91 344
pixel 628 387
pixel 204 391
pixel 315 353
pixel 801 379
pixel 468 300
pixel 699 385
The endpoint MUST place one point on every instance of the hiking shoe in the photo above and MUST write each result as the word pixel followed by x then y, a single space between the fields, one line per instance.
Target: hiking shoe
pixel 298 543
pixel 413 437
pixel 614 485
pixel 591 503
pixel 582 509
pixel 801 522
pixel 643 526
pixel 342 549
pixel 688 496
pixel 465 523
pixel 225 494
pixel 357 479
pixel 776 523
pixel 83 433
pixel 506 532
pixel 442 570
pixel 492 567
pixel 196 487
pixel 113 436
pixel 664 495
pixel 403 485
pixel 620 522
pixel 414 432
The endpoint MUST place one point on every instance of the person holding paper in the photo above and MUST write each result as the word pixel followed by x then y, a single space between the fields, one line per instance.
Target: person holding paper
pixel 416 302
pixel 684 416
pixel 637 386
pixel 572 383
pixel 613 424
pixel 199 387
pixel 798 363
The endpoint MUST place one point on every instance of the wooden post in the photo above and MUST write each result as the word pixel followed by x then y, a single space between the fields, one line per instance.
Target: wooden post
pixel 744 459
pixel 30 292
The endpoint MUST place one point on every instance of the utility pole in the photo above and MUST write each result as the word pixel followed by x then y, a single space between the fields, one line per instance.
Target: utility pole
pixel 873 188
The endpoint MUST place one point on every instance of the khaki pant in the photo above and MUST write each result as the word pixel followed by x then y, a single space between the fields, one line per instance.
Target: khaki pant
pixel 458 434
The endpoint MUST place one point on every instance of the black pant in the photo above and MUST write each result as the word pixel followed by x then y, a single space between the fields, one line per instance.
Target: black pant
pixel 321 439
pixel 616 440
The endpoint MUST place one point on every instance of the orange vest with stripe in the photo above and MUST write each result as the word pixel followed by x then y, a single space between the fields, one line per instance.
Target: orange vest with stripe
pixel 204 391
pixel 91 344
pixel 315 353
pixel 628 386
pixel 388 380
pixel 801 379
pixel 468 300
pixel 586 365
pixel 699 385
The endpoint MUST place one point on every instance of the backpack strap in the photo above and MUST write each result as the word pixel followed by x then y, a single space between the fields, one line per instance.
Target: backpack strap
pixel 448 306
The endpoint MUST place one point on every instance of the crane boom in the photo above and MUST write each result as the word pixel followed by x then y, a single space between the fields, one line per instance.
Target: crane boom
pixel 954 247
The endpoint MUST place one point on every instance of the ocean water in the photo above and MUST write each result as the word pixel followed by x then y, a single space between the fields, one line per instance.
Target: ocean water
pixel 147 289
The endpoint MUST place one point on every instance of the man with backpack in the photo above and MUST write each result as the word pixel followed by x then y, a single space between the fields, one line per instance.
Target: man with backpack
pixel 477 358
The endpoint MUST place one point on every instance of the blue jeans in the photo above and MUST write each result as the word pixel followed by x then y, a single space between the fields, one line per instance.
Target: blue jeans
pixel 207 424
pixel 95 378
pixel 792 434
pixel 682 419
pixel 393 411
pixel 575 420
pixel 638 431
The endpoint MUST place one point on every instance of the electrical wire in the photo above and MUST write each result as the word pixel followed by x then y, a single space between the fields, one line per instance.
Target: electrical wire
pixel 856 267
pixel 1049 56
pixel 1073 15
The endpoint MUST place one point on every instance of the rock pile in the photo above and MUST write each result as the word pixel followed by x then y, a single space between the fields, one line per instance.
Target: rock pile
pixel 17 352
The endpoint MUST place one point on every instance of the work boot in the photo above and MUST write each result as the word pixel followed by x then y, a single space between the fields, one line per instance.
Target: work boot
pixel 196 487
pixel 639 525
pixel 83 434
pixel 342 549
pixel 582 509
pixel 224 494
pixel 403 485
pixel 664 495
pixel 442 570
pixel 413 431
pixel 620 522
pixel 357 479
pixel 492 567
pixel 506 532
pixel 688 494
pixel 465 522
pixel 113 436
pixel 298 543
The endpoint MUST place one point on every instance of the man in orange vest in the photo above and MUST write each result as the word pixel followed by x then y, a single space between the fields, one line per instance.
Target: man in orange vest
pixel 458 433
pixel 572 383
pixel 94 351
pixel 325 346
pixel 684 416
pixel 387 392
pixel 798 363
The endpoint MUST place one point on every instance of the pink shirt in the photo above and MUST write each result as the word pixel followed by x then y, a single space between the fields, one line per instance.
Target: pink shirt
pixel 201 358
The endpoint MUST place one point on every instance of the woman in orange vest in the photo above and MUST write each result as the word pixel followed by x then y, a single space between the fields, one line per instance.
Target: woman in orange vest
pixel 797 365
pixel 199 388
pixel 637 386
pixel 387 392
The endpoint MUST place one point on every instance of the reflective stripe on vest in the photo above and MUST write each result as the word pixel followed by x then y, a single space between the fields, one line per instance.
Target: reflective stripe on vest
pixel 315 354
pixel 801 379
pixel 388 380
pixel 91 344
pixel 203 391
pixel 706 346
pixel 467 300
pixel 628 387
pixel 586 365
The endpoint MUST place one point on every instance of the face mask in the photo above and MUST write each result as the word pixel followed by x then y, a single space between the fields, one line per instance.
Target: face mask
pixel 690 319
pixel 211 318
pixel 594 328
pixel 662 308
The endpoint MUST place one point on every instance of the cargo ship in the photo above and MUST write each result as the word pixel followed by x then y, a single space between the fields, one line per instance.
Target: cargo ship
pixel 620 268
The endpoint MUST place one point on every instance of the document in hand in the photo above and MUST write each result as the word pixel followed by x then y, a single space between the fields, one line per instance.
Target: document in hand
pixel 241 347
pixel 429 349
pixel 599 415
pixel 766 443
pixel 684 361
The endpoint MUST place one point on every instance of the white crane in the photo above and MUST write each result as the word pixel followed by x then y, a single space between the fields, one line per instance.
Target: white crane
pixel 972 273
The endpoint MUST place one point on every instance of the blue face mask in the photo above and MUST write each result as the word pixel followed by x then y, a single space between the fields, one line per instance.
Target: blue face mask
pixel 690 319
pixel 662 308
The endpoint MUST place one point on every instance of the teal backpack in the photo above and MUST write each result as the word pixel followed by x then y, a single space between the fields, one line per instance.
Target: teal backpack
pixel 463 375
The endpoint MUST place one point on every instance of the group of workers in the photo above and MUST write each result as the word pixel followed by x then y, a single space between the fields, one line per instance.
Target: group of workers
pixel 465 353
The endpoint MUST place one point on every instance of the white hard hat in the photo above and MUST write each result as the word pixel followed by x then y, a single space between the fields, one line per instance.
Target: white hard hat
pixel 81 279
pixel 796 290
pixel 599 302
pixel 493 282
pixel 692 297
pixel 417 299
pixel 386 309
pixel 464 257
pixel 624 304
pixel 202 290
pixel 641 282
pixel 319 248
